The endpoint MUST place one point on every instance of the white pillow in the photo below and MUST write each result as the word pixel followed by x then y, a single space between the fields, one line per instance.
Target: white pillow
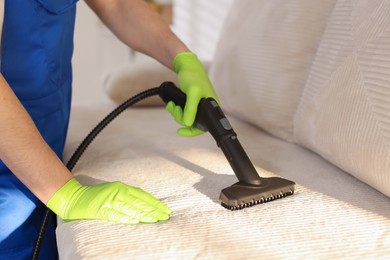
pixel 344 114
pixel 263 58
pixel 131 79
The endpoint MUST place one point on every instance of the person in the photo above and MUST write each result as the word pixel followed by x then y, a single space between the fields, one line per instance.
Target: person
pixel 35 101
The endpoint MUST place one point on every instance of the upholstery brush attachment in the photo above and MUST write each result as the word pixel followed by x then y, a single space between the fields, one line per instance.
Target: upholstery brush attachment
pixel 251 189
pixel 242 195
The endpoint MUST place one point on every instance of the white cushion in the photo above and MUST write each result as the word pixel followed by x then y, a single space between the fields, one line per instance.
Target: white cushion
pixel 131 79
pixel 344 114
pixel 331 215
pixel 263 58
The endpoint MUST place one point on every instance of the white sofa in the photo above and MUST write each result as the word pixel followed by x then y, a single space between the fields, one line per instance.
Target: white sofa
pixel 306 86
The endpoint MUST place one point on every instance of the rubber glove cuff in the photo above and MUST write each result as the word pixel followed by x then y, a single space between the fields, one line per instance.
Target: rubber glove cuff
pixel 182 59
pixel 59 202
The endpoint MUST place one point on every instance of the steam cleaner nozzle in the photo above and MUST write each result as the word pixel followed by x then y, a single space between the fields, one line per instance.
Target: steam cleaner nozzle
pixel 251 189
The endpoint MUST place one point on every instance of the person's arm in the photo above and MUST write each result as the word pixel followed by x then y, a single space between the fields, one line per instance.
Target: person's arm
pixel 32 161
pixel 140 27
pixel 24 151
pixel 143 29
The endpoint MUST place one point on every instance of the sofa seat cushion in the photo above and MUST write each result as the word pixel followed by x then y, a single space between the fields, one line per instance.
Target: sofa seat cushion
pixel 330 216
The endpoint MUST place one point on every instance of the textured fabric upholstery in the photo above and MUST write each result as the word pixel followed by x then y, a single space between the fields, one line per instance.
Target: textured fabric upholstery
pixel 263 58
pixel 330 216
pixel 309 72
pixel 313 74
pixel 344 114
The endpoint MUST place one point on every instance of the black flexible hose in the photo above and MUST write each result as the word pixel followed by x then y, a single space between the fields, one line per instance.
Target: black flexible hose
pixel 80 150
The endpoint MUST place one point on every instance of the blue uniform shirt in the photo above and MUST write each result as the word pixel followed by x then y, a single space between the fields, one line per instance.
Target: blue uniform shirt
pixel 36 52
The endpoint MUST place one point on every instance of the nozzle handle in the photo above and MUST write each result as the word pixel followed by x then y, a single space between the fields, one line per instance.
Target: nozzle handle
pixel 169 92
pixel 211 118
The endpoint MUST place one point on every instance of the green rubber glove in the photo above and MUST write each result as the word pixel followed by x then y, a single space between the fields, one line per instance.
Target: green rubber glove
pixel 113 201
pixel 195 83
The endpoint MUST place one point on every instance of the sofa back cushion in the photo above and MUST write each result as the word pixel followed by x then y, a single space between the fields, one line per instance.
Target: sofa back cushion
pixel 313 72
pixel 263 58
pixel 344 113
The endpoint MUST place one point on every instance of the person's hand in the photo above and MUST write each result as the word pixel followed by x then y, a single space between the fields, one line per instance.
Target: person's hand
pixel 195 83
pixel 113 201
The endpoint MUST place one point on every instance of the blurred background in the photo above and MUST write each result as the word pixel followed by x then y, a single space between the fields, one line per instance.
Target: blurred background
pixel 98 53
